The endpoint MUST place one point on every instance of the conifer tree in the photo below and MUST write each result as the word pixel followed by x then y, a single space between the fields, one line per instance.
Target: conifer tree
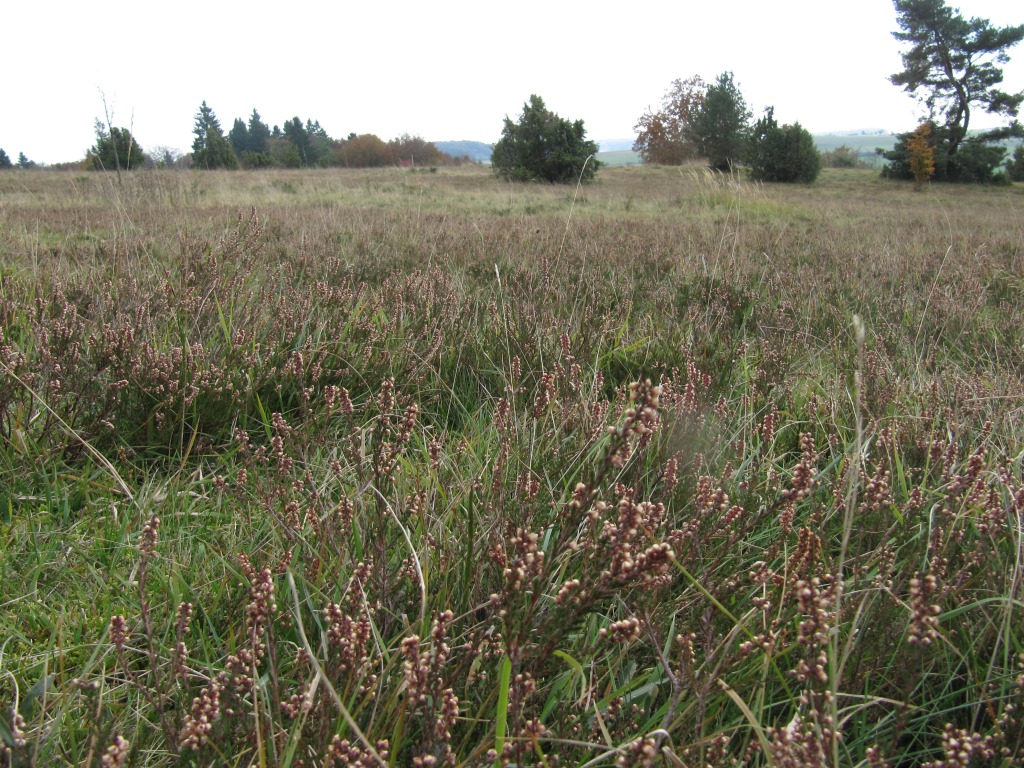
pixel 542 146
pixel 721 124
pixel 210 149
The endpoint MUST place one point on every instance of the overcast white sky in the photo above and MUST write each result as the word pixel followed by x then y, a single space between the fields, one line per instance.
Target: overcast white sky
pixel 447 69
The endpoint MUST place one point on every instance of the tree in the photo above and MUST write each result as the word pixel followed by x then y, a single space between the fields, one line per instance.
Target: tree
pixel 210 150
pixel 296 133
pixel 664 137
pixel 782 153
pixel 544 147
pixel 24 163
pixel 922 155
pixel 365 151
pixel 721 124
pixel 239 137
pixel 310 141
pixel 250 142
pixel 115 149
pixel 413 150
pixel 259 133
pixel 951 68
pixel 5 161
pixel 166 157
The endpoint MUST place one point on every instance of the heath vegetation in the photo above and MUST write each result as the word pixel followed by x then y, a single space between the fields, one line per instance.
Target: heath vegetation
pixel 399 468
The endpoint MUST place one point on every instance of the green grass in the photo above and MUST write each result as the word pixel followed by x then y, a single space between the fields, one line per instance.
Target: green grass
pixel 387 436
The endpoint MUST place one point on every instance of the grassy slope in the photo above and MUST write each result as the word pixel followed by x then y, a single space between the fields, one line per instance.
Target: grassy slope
pixel 377 434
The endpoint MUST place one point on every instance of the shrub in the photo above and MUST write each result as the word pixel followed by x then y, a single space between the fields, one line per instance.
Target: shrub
pixel 842 157
pixel 116 148
pixel 544 147
pixel 783 153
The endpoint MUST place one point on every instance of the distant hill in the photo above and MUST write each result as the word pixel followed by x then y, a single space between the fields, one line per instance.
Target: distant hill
pixel 615 145
pixel 619 157
pixel 479 152
pixel 619 151
pixel 476 151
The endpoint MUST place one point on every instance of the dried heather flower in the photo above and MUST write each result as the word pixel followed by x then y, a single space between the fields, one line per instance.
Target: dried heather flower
pixel 924 620
pixel 804 472
pixel 183 618
pixel 641 752
pixel 116 755
pixel 147 539
pixel 118 632
pixel 621 632
pixel 262 604
pixel 342 752
pixel 205 711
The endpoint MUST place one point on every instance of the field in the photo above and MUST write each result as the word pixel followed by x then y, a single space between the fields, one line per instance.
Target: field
pixel 421 468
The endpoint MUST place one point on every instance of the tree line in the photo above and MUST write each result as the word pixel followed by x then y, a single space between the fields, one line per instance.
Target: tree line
pixel 254 144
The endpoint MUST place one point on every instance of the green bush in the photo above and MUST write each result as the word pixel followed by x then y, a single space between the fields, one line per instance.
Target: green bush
pixel 783 153
pixel 544 147
pixel 116 148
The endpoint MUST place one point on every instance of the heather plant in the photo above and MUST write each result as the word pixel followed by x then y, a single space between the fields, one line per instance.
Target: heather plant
pixel 364 468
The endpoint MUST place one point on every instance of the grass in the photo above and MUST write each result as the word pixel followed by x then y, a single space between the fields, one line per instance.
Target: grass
pixel 383 467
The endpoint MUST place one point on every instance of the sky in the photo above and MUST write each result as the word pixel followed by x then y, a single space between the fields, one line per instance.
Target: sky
pixel 442 69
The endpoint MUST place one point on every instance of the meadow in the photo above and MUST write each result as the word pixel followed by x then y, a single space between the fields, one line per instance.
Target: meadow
pixel 421 468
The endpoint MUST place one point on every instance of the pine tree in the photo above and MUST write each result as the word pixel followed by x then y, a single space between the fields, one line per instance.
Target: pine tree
pixel 544 147
pixel 5 160
pixel 721 124
pixel 210 150
pixel 259 132
pixel 239 137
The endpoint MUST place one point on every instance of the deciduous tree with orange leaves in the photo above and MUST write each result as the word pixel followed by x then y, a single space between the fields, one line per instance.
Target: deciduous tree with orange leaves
pixel 663 137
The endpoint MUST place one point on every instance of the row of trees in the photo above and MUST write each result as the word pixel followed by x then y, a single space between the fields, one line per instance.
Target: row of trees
pixel 697 120
pixel 254 144
pixel 23 162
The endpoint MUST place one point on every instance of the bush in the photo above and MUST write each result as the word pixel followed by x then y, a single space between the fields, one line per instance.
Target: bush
pixel 785 153
pixel 116 148
pixel 843 157
pixel 544 147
